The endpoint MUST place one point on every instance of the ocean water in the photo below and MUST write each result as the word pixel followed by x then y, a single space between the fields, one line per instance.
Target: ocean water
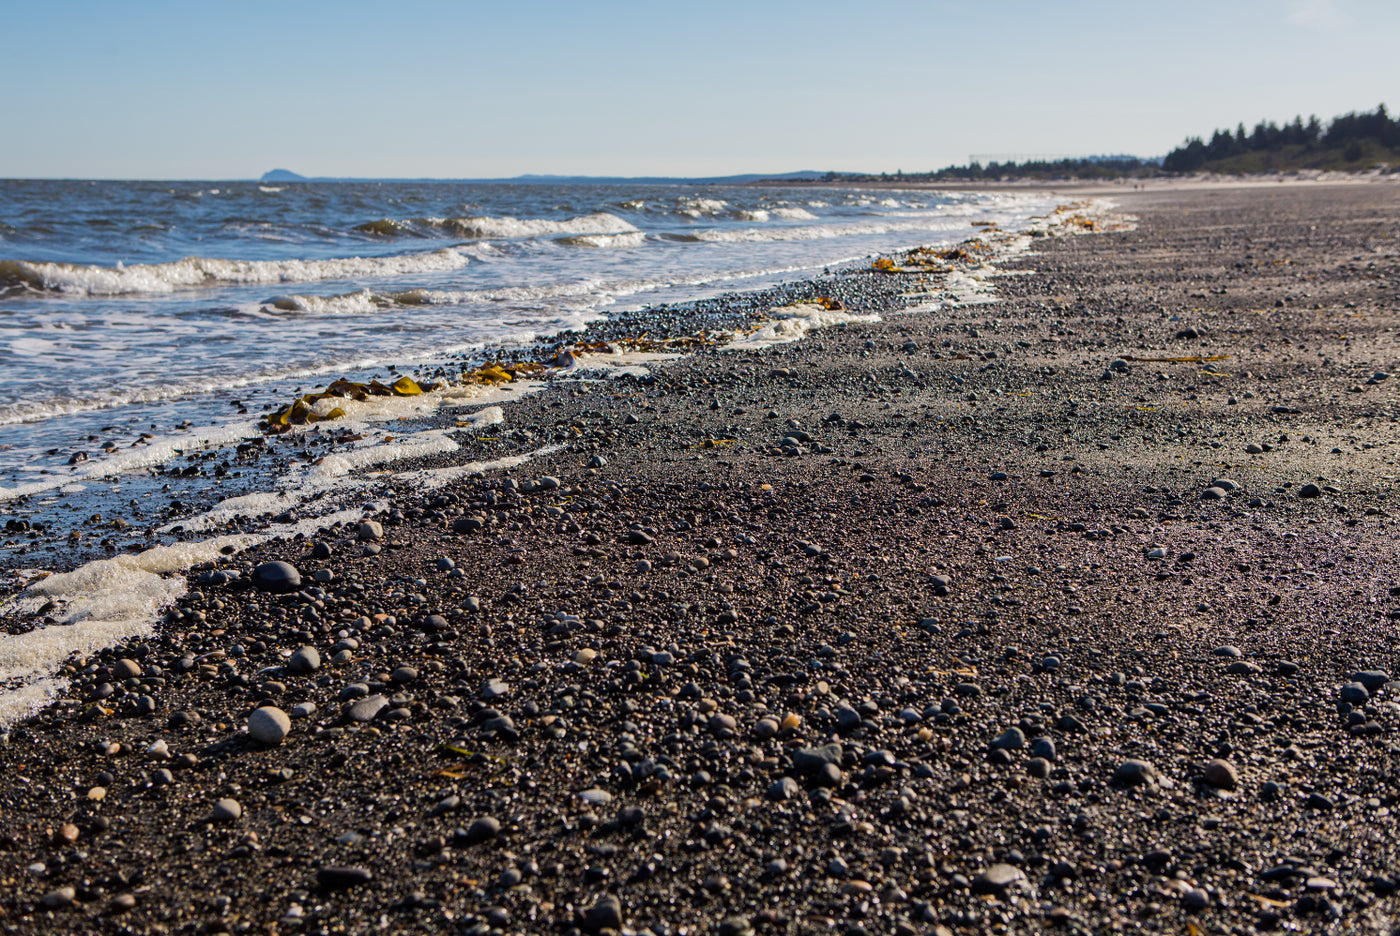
pixel 143 319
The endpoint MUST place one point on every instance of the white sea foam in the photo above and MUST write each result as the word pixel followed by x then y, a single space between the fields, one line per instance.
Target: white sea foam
pixel 340 464
pixel 105 602
pixel 752 214
pixel 701 207
pixel 599 223
pixel 797 214
pixel 205 271
pixel 792 323
pixel 432 478
pixel 628 239
pixel 353 303
pixel 818 231
pixel 635 363
pixel 488 416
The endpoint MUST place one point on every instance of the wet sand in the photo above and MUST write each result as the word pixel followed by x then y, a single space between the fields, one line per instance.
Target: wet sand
pixel 994 619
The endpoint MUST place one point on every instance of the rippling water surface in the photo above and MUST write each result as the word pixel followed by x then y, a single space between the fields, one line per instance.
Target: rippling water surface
pixel 130 307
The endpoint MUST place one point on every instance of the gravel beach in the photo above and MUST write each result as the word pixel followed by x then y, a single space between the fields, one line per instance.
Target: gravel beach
pixel 1073 611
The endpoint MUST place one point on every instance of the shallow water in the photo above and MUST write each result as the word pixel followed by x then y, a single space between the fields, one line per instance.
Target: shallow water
pixel 143 320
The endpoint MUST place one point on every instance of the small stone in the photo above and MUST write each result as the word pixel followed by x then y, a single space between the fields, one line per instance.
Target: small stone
pixel 585 655
pixel 1013 739
pixel 997 879
pixel 483 829
pixel 1222 775
pixel 495 689
pixel 1038 767
pixel 304 660
pixel 277 578
pixel 1356 693
pixel 1133 773
pixel 722 724
pixel 126 669
pixel 269 725
pixel 764 729
pixel 403 675
pixel 227 810
pixel 303 710
pixel 782 789
pixel 58 898
pixel 1320 801
pixel 1310 490
pixel 811 759
pixel 367 708
pixel 1373 680
pixel 1213 493
pixel 468 524
pixel 1043 748
pixel 369 531
pixel 122 903
pixel 605 914
pixel 336 878
pixel 596 797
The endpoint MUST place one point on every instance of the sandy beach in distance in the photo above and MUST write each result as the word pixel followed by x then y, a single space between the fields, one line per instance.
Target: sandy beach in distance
pixel 1071 606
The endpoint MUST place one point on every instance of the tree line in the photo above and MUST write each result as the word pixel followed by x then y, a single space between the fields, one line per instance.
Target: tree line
pixel 1346 133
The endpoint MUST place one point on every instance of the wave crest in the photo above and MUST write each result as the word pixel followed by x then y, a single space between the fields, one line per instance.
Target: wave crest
pixel 600 222
pixel 208 271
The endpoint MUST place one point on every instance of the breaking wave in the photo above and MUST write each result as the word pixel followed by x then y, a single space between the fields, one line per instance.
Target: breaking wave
pixel 205 271
pixel 506 227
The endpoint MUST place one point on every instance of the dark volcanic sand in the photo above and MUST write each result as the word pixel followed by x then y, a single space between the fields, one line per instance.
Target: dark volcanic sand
pixel 967 549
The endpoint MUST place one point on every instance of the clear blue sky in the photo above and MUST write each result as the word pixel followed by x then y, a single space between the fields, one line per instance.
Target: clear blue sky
pixel 215 90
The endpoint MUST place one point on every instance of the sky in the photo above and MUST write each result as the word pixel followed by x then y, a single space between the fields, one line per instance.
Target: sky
pixel 461 89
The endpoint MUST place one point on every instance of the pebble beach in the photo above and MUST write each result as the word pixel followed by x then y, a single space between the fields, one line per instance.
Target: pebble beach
pixel 1071 605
